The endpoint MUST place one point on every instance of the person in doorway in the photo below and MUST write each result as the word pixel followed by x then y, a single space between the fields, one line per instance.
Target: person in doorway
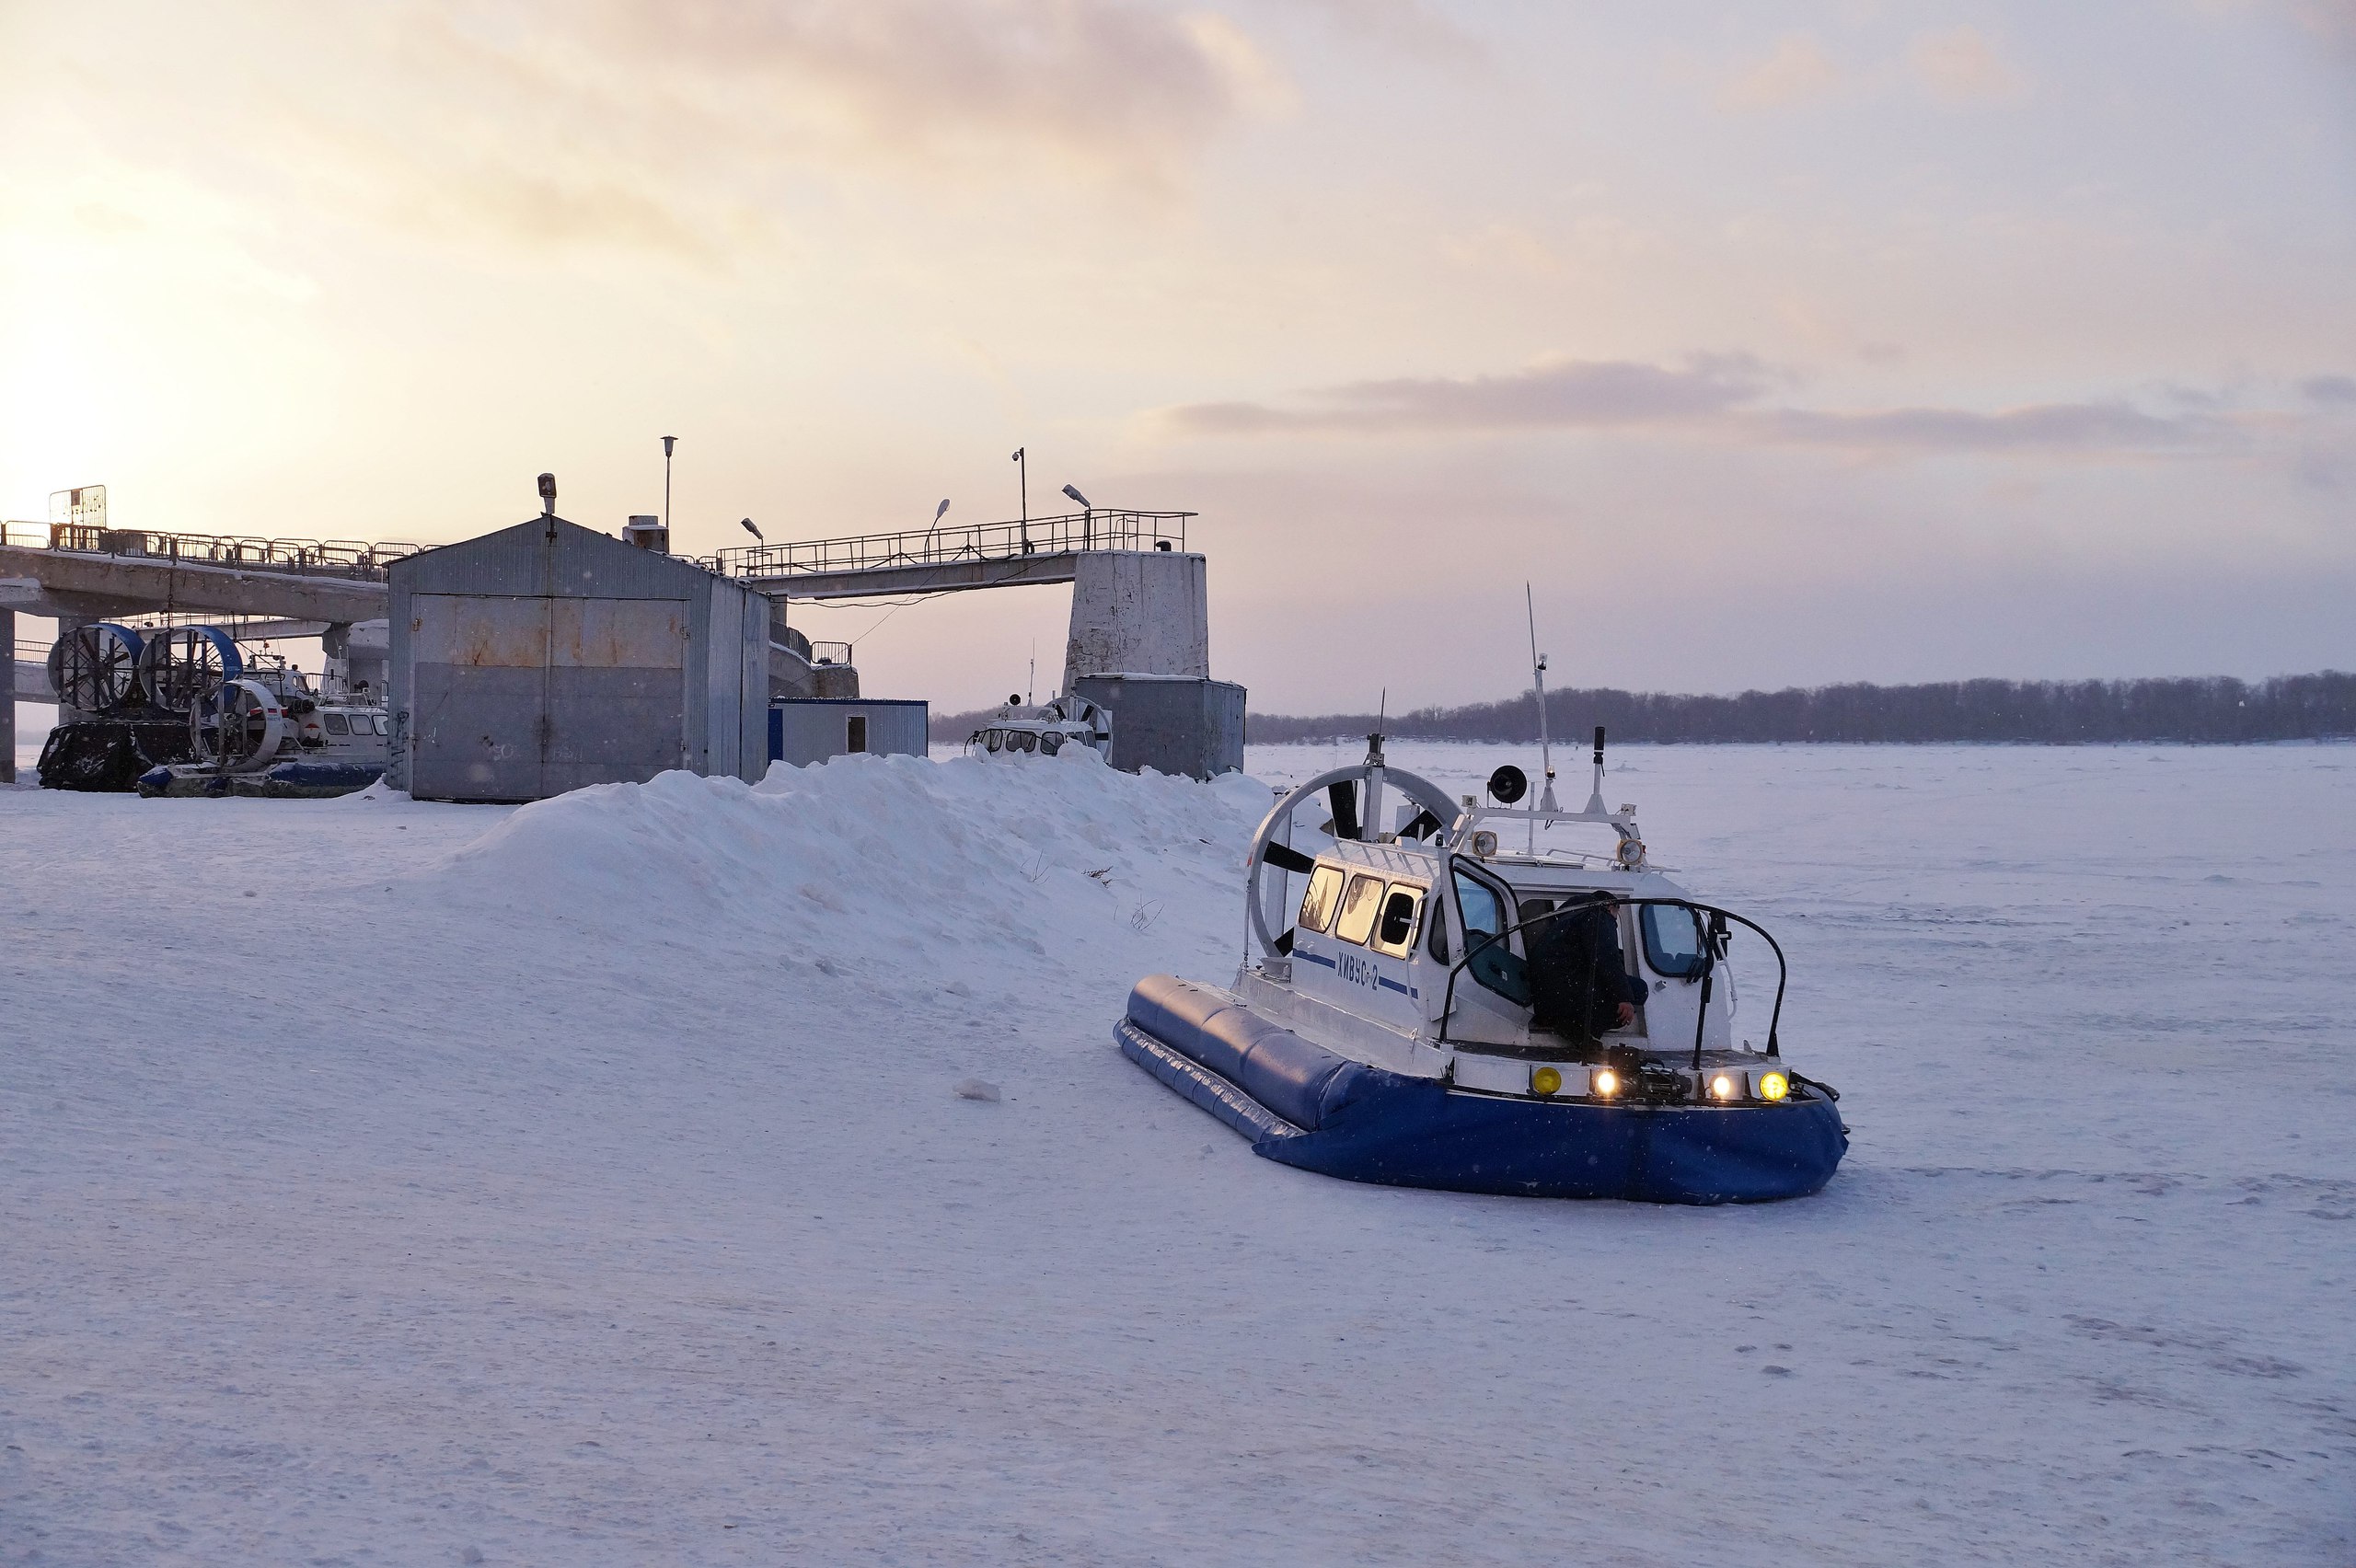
pixel 1579 983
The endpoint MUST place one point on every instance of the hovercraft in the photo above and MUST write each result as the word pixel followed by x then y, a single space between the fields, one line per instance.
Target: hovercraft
pixel 1016 728
pixel 1441 1007
pixel 260 728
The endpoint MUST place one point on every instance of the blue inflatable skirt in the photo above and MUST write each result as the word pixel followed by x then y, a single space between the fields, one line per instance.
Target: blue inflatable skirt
pixel 1306 1106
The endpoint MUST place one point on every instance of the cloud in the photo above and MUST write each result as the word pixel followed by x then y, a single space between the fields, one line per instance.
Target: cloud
pixel 684 127
pixel 1409 26
pixel 1713 398
pixel 2332 391
pixel 1797 71
pixel 1962 67
pixel 1085 81
pixel 2051 427
pixel 1576 393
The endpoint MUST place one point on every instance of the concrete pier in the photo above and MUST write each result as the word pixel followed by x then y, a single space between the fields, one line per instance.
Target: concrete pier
pixel 1138 612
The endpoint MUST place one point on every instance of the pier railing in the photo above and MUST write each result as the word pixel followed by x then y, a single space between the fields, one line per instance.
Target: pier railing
pixel 352 559
pixel 1100 529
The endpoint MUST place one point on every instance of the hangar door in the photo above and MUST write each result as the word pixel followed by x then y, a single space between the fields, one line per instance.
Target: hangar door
pixel 519 698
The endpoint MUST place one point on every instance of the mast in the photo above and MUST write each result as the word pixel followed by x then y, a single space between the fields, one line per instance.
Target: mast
pixel 1545 746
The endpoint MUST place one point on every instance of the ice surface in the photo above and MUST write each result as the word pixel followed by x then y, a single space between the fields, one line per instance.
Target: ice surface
pixel 588 1184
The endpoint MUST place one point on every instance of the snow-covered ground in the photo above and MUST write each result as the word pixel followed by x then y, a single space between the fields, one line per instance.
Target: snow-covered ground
pixel 386 1183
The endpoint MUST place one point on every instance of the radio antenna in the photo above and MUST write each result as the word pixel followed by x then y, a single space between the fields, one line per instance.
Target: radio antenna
pixel 1537 684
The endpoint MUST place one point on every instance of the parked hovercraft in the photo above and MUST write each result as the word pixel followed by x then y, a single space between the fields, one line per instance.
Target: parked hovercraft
pixel 1068 720
pixel 1409 1025
pixel 262 728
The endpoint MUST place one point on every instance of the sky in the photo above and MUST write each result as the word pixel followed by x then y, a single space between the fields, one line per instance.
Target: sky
pixel 1770 344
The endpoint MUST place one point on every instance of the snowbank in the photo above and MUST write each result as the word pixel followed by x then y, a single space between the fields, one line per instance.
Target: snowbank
pixel 972 871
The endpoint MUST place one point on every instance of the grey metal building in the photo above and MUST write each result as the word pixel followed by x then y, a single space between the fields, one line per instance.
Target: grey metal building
pixel 548 656
pixel 1170 723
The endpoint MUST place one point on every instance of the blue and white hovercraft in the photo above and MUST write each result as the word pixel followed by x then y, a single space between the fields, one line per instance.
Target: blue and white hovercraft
pixel 1441 1008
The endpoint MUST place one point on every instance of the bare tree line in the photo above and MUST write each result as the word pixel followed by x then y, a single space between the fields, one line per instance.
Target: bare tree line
pixel 2213 709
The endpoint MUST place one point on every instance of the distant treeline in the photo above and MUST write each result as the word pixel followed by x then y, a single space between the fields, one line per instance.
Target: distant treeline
pixel 2213 709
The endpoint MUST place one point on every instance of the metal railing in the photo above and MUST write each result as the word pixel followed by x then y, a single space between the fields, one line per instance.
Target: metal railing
pixel 353 558
pixel 1100 529
pixel 830 653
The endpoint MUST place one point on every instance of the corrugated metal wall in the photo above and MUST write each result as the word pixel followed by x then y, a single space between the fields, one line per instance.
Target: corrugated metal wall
pixel 809 729
pixel 545 657
pixel 1171 725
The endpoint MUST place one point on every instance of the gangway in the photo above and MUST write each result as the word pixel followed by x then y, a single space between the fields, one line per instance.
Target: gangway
pixel 943 560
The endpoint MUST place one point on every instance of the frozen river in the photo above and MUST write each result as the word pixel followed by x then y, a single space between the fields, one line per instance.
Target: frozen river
pixel 396 1184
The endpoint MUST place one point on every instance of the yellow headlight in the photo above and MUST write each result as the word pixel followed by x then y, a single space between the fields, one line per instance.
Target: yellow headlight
pixel 1605 1082
pixel 1544 1080
pixel 1774 1086
pixel 1722 1086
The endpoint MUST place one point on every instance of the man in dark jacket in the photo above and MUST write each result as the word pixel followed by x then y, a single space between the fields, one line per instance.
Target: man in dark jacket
pixel 1579 983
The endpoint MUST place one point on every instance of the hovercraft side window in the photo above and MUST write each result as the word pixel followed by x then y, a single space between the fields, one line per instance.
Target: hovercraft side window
pixel 1672 940
pixel 1395 932
pixel 1317 903
pixel 1359 905
pixel 337 723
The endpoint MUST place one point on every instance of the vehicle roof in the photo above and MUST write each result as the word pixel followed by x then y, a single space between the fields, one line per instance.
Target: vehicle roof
pixel 1521 875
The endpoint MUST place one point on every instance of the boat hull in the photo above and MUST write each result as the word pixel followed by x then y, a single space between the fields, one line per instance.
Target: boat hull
pixel 1307 1107
pixel 295 781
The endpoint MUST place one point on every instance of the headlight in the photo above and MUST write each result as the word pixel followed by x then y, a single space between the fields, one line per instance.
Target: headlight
pixel 1774 1086
pixel 1544 1080
pixel 1722 1088
pixel 1605 1082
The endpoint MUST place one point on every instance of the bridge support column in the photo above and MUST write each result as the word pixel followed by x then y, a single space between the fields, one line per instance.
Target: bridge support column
pixel 8 700
pixel 1137 613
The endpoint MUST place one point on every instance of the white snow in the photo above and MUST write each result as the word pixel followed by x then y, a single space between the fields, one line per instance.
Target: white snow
pixel 598 1182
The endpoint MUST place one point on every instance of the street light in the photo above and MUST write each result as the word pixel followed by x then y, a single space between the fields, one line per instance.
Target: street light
pixel 746 523
pixel 1022 478
pixel 1087 518
pixel 668 442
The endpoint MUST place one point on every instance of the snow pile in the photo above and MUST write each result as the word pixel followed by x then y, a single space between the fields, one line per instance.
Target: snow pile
pixel 970 864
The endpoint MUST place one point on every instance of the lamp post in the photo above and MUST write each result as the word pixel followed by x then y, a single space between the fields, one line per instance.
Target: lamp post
pixel 1022 478
pixel 668 442
pixel 1087 518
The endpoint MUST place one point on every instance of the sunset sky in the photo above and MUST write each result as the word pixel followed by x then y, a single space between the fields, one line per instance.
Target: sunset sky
pixel 1775 344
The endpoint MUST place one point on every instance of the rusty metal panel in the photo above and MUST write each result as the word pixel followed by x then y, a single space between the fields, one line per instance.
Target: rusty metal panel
pixel 617 691
pixel 615 634
pixel 477 694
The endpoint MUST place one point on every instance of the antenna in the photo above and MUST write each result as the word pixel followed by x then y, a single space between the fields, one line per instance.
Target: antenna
pixel 1030 684
pixel 1538 685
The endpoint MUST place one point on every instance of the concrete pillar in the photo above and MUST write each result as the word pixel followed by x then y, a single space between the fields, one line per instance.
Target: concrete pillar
pixel 1137 613
pixel 8 700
